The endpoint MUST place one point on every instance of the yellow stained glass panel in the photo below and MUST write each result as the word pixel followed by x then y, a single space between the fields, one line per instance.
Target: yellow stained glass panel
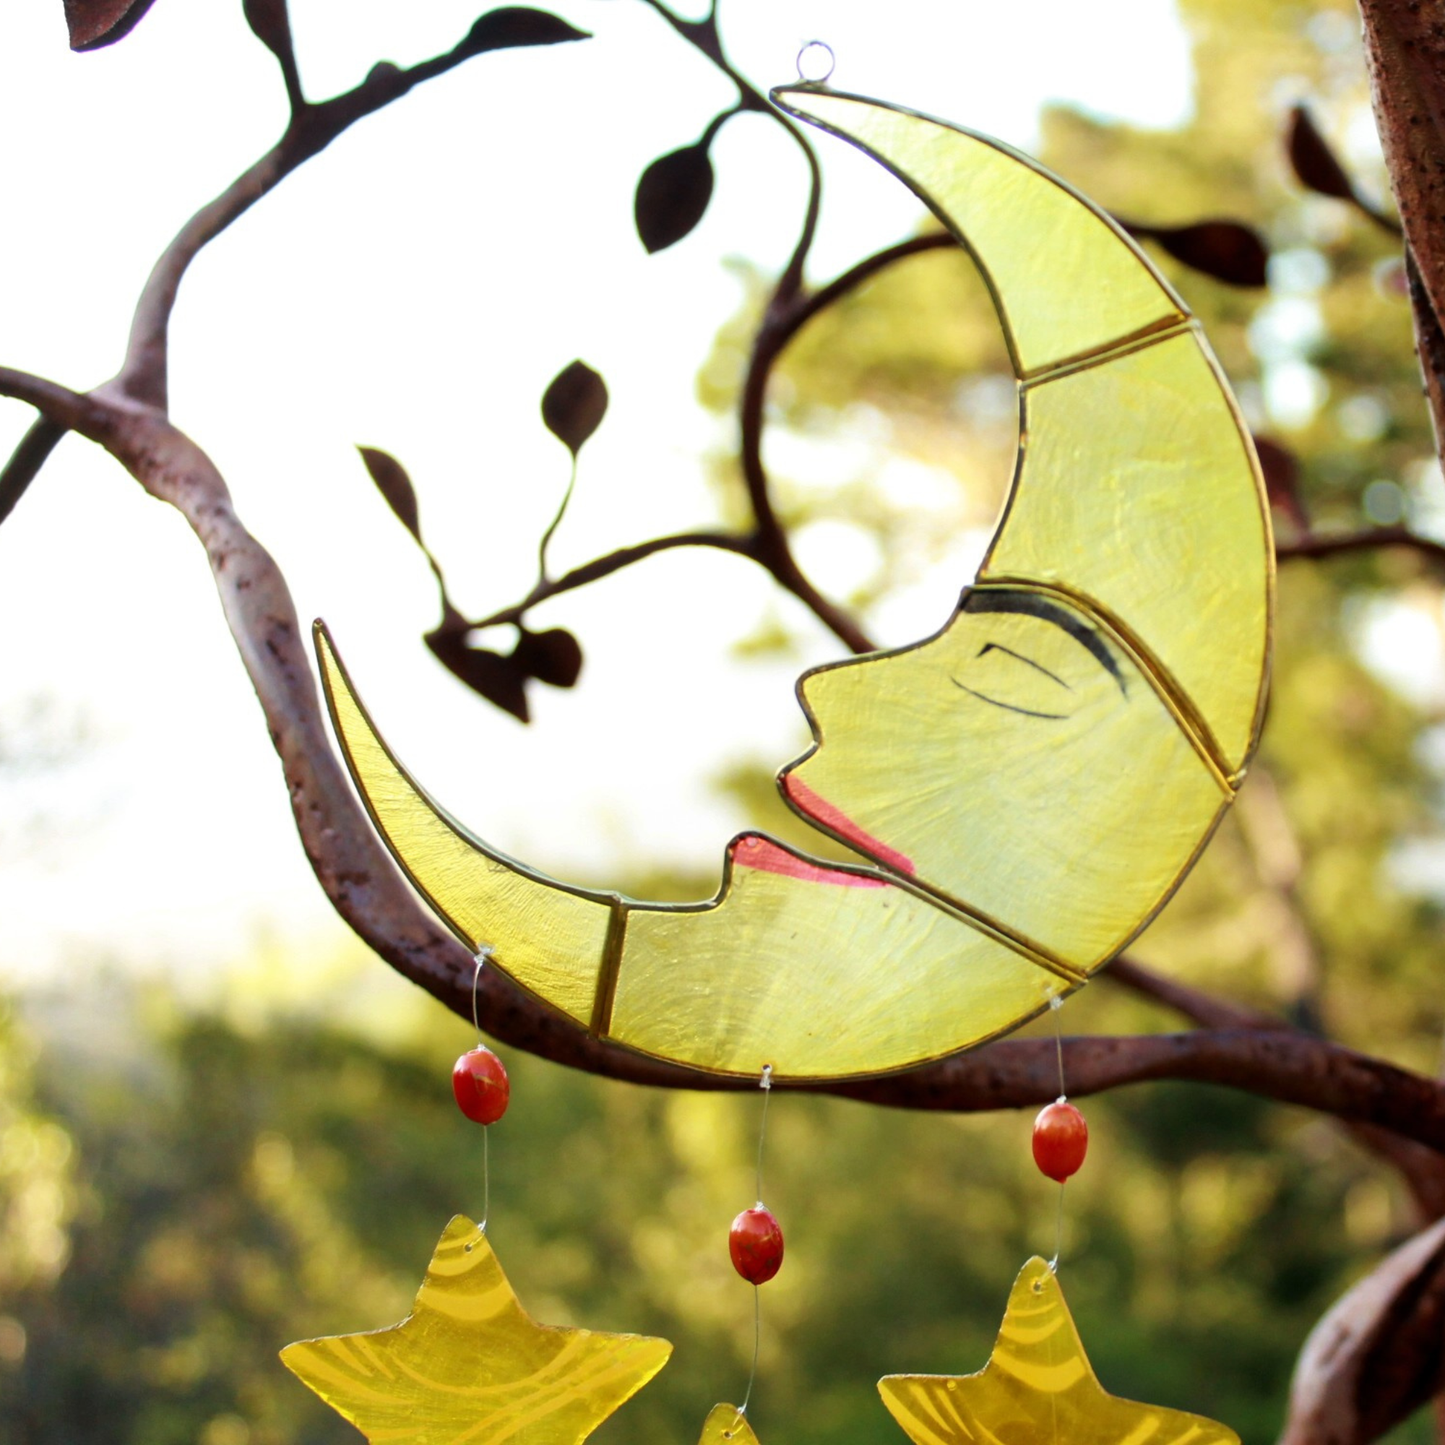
pixel 726 1425
pixel 1066 280
pixel 550 939
pixel 817 972
pixel 1021 766
pixel 1031 783
pixel 469 1366
pixel 1137 492
pixel 1038 1386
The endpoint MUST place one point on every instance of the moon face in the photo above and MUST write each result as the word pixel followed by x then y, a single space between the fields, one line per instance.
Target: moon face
pixel 1026 788
pixel 1033 747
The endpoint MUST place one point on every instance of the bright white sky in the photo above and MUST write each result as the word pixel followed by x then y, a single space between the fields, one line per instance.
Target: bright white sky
pixel 415 288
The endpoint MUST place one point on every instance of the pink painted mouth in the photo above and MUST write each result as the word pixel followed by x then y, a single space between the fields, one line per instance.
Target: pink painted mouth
pixel 750 851
pixel 837 821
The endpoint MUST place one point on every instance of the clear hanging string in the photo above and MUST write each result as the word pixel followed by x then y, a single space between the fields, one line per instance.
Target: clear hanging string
pixel 483 954
pixel 766 1085
pixel 1054 1005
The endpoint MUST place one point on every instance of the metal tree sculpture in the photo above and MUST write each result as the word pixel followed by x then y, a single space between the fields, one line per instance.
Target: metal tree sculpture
pixel 1378 1355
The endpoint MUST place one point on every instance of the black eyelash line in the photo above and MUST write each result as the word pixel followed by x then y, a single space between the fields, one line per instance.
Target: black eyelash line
pixel 1008 706
pixel 1038 666
pixel 1029 604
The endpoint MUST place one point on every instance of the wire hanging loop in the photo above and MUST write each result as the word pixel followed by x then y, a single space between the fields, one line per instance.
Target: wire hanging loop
pixel 1058 1229
pixel 757 1342
pixel 1055 1004
pixel 816 63
pixel 482 955
pixel 766 1085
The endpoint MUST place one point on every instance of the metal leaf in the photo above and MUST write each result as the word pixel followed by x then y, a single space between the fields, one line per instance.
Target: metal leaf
pixel 93 23
pixel 574 404
pixel 500 680
pixel 270 22
pixel 394 484
pixel 514 25
pixel 553 657
pixel 271 25
pixel 1314 162
pixel 1227 250
pixel 1378 1354
pixel 672 195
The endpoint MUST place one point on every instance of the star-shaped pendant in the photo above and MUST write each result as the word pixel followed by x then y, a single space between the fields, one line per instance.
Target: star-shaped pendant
pixel 1038 1386
pixel 468 1364
pixel 726 1425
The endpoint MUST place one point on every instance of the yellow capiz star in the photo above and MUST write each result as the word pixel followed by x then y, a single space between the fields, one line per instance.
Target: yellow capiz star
pixel 1038 1386
pixel 726 1425
pixel 469 1366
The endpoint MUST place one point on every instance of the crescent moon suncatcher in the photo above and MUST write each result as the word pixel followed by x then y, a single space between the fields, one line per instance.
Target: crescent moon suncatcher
pixel 1024 789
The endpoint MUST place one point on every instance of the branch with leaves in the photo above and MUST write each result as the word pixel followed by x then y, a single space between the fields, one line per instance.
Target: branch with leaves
pixel 672 196
pixel 127 416
pixel 1397 1114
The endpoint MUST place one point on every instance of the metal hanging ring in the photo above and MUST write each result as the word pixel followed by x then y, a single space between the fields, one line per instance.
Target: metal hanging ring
pixel 816 55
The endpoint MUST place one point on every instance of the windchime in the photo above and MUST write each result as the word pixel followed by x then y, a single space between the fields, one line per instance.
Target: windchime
pixel 1025 789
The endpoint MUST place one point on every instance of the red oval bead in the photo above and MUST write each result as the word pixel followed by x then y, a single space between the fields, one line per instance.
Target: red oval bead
pixel 755 1242
pixel 481 1085
pixel 1061 1139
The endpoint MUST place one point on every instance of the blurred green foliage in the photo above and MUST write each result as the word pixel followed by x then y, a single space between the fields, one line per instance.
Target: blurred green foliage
pixel 247 1175
pixel 182 1191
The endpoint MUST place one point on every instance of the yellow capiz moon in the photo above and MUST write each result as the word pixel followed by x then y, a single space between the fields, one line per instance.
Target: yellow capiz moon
pixel 1026 788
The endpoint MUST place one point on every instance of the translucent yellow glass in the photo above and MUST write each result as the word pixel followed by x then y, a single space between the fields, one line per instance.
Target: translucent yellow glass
pixel 470 1365
pixel 1066 281
pixel 726 1425
pixel 549 938
pixel 825 974
pixel 1029 785
pixel 817 970
pixel 1136 492
pixel 1022 767
pixel 1038 1386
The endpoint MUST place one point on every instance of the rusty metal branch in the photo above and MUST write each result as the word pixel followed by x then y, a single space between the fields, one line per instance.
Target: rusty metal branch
pixel 1421 1167
pixel 357 875
pixel 1292 1068
pixel 1328 544
pixel 605 566
pixel 364 886
pixel 1405 49
pixel 1191 1003
pixel 768 542
pixel 143 376
pixel 56 404
pixel 26 461
pixel 705 37
pixel 809 306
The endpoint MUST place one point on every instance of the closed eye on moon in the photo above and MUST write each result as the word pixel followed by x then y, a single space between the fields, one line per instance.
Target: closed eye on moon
pixel 1009 706
pixel 1027 661
pixel 1030 604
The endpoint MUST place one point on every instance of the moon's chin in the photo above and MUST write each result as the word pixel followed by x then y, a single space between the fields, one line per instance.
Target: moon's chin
pixel 819 810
